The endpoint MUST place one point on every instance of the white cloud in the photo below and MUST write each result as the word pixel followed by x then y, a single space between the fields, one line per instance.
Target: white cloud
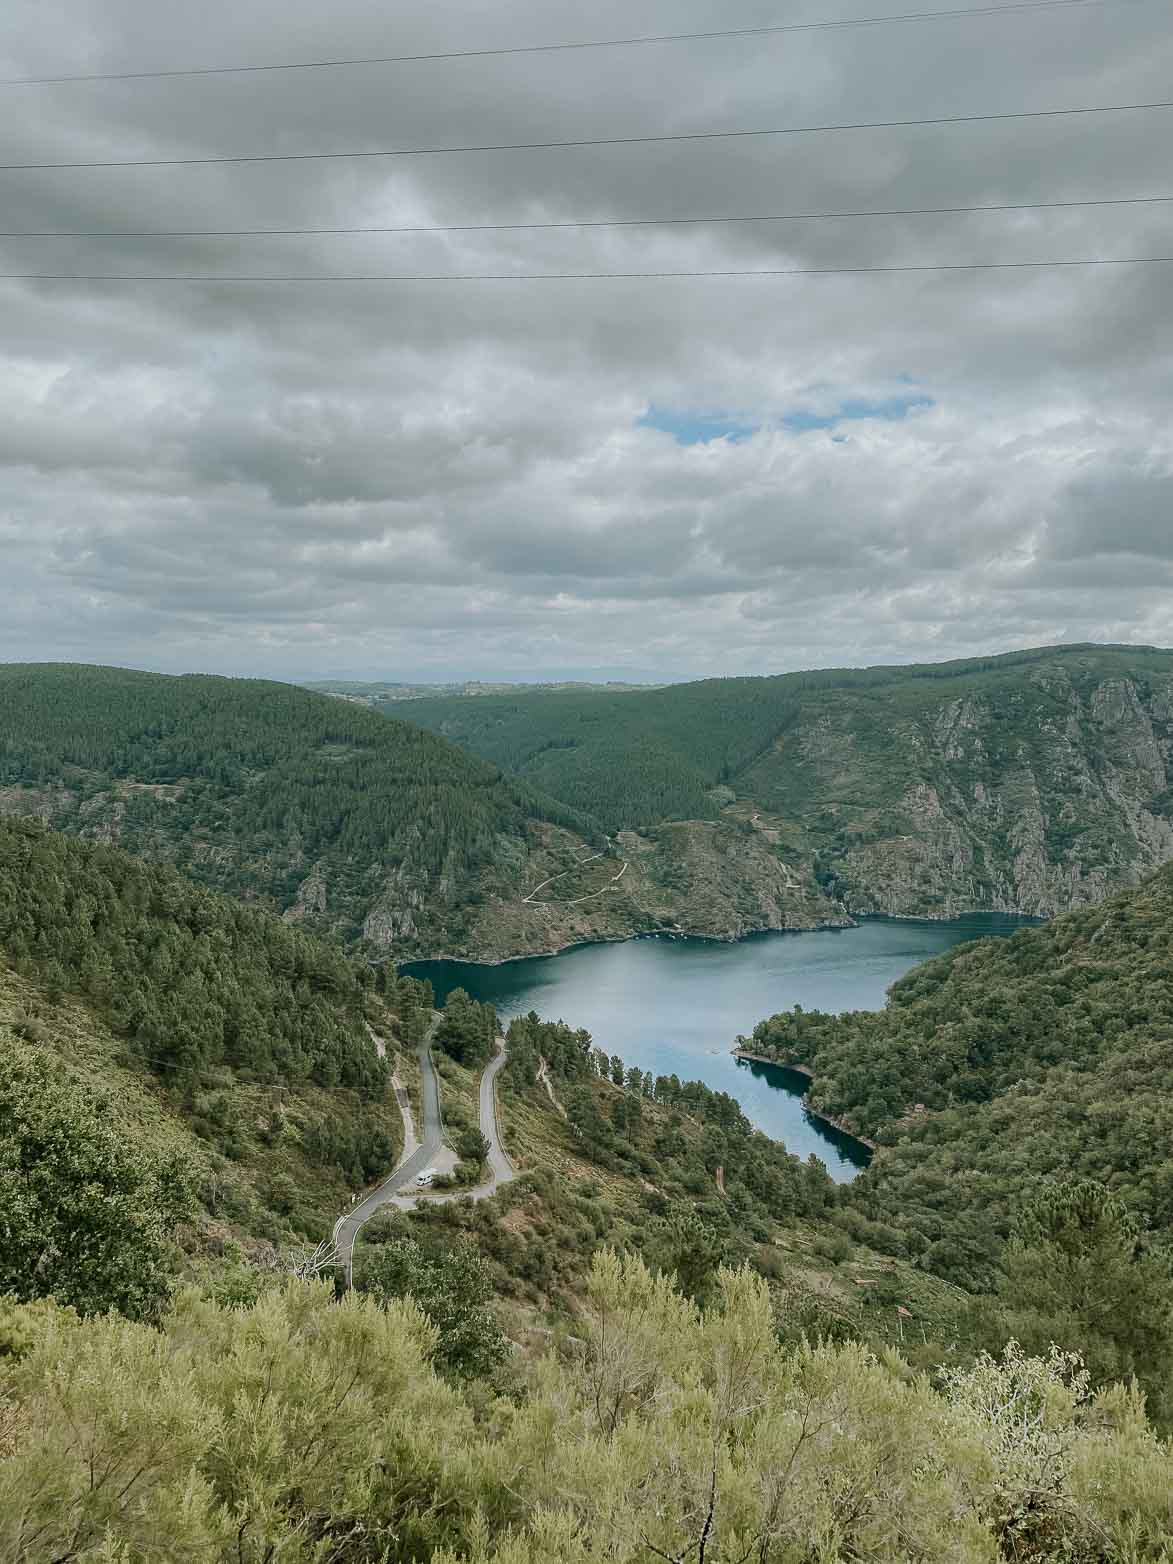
pixel 454 479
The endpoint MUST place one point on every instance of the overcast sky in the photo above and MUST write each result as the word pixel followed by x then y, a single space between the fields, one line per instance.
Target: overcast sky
pixel 524 479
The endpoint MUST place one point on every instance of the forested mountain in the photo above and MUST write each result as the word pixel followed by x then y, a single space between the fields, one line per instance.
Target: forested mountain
pixel 194 980
pixel 1029 783
pixel 1002 1063
pixel 368 829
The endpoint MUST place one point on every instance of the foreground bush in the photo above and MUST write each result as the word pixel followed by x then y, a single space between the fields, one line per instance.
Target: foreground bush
pixel 302 1429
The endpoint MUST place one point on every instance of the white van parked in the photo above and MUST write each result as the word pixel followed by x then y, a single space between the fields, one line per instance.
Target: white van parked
pixel 425 1178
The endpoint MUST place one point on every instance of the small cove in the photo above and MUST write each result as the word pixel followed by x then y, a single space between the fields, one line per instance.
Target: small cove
pixel 675 1005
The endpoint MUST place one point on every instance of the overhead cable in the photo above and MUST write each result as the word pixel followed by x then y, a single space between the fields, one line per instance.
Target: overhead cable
pixel 831 24
pixel 576 223
pixel 589 141
pixel 768 271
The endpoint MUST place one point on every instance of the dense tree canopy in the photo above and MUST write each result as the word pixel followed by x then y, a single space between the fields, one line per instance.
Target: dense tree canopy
pixel 1077 1271
pixel 467 1029
pixel 191 979
pixel 252 787
pixel 84 1216
pixel 1004 1062
pixel 452 1285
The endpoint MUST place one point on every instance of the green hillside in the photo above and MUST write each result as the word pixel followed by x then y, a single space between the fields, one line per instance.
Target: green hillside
pixel 1032 782
pixel 370 830
pixel 722 1367
pixel 1004 1062
pixel 640 757
pixel 210 1032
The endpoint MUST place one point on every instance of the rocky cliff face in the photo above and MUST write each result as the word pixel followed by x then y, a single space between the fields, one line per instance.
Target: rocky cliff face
pixel 542 889
pixel 1034 798
pixel 720 880
pixel 1040 790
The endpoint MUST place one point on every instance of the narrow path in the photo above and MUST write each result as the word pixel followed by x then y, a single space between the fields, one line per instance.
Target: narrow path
pixel 575 900
pixel 530 898
pixel 411 1141
pixel 501 1170
pixel 544 1077
pixel 413 1162
pixel 402 1101
pixel 550 880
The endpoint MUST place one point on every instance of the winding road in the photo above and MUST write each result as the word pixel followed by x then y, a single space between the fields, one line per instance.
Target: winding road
pixel 427 1151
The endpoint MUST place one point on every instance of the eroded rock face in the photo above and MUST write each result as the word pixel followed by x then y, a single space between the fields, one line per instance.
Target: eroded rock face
pixel 386 927
pixel 1040 803
pixel 311 899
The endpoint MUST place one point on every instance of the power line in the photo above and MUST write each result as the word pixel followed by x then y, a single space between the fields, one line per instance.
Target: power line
pixel 549 48
pixel 590 141
pixel 769 271
pixel 576 223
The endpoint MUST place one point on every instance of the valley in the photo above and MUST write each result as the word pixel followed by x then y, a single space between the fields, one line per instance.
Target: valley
pixel 1025 785
pixel 197 1088
pixel 674 1006
pixel 586 783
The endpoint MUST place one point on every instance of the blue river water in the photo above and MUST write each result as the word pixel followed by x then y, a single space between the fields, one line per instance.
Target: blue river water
pixel 675 1005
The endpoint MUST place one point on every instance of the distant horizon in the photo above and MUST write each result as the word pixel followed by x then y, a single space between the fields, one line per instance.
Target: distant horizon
pixel 594 676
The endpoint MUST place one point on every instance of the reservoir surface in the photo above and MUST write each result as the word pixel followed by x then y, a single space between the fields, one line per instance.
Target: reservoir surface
pixel 674 1005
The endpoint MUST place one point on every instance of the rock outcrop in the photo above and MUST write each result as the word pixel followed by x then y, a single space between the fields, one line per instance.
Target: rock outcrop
pixel 1033 801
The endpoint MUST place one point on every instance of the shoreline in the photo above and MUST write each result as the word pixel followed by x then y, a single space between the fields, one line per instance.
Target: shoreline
pixel 826 926
pixel 815 1113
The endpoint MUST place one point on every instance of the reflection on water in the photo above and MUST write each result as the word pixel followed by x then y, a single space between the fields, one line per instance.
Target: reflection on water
pixel 852 1154
pixel 674 1005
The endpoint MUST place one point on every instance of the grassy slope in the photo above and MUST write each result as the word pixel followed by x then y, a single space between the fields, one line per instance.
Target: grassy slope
pixel 316 807
pixel 1028 782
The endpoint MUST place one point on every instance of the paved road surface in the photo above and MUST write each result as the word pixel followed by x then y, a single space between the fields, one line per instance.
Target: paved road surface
pixel 500 1167
pixel 430 1149
pixel 347 1226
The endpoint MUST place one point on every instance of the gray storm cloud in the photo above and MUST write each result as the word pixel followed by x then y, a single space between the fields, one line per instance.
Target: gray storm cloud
pixel 451 479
